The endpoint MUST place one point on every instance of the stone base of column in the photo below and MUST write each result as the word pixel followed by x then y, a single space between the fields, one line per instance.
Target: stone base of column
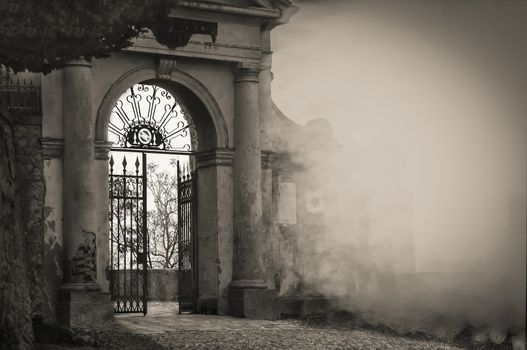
pixel 260 304
pixel 82 305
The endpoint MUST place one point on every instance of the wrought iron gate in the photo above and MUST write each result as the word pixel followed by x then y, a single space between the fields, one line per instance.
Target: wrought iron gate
pixel 187 247
pixel 128 236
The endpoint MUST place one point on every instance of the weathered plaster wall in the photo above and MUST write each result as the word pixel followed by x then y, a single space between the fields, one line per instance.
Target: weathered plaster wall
pixel 225 232
pixel 101 225
pixel 207 236
pixel 15 302
pixel 52 99
pixel 53 234
pixel 30 180
pixel 105 72
pixel 218 79
pixel 52 129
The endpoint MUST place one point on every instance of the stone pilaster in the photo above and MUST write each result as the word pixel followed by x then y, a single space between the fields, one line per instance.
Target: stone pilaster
pixel 265 98
pixel 77 303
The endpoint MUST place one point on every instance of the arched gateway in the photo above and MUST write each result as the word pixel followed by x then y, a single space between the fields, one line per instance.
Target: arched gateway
pixel 221 74
pixel 156 115
pixel 148 118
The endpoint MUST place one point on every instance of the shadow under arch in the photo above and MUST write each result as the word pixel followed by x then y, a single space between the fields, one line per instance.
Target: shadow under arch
pixel 211 127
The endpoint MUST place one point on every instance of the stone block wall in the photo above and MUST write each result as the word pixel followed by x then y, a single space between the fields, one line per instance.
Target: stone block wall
pixel 162 285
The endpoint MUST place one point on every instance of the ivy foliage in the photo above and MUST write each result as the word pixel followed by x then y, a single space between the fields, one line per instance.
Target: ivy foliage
pixel 42 35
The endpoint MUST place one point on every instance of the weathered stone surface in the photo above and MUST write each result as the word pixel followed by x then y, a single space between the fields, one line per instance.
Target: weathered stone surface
pixel 297 307
pixel 30 181
pixel 15 312
pixel 80 308
pixel 259 304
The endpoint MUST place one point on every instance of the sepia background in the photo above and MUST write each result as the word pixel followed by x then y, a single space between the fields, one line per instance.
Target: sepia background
pixel 427 101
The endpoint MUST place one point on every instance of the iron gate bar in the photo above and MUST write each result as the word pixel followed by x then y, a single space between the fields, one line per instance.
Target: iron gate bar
pixel 187 247
pixel 145 238
pixel 128 218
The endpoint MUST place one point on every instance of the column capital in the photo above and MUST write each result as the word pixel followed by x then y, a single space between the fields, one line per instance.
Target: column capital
pixel 81 62
pixel 101 149
pixel 216 157
pixel 246 72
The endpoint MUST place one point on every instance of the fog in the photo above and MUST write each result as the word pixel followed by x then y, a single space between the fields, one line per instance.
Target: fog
pixel 426 195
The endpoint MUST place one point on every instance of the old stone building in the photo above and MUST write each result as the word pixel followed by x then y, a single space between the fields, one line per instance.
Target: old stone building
pixel 56 235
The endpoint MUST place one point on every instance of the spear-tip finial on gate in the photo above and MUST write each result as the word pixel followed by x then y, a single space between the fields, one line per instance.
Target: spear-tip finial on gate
pixel 124 163
pixel 111 162
pixel 137 164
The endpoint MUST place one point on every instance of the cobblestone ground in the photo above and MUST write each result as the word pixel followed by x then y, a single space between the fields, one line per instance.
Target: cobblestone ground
pixel 164 329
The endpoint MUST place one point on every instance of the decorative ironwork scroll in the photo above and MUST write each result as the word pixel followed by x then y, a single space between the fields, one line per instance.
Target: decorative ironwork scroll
pixel 128 237
pixel 149 117
pixel 176 32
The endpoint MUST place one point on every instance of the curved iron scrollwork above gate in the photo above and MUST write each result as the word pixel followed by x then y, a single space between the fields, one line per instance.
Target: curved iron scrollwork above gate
pixel 149 117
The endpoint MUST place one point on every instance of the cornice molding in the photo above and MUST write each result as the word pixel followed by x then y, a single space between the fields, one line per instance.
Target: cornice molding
pixel 252 11
pixel 52 147
pixel 216 157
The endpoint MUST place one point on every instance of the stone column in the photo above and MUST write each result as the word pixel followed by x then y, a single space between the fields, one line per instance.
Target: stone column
pixel 79 195
pixel 78 305
pixel 248 295
pixel 247 272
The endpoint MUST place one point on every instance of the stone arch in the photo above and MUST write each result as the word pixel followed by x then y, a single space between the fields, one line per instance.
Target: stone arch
pixel 210 124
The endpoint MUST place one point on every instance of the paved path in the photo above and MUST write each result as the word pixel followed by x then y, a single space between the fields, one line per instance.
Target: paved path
pixel 163 328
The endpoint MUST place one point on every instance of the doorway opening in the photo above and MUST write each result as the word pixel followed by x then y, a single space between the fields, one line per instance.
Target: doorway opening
pixel 152 201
